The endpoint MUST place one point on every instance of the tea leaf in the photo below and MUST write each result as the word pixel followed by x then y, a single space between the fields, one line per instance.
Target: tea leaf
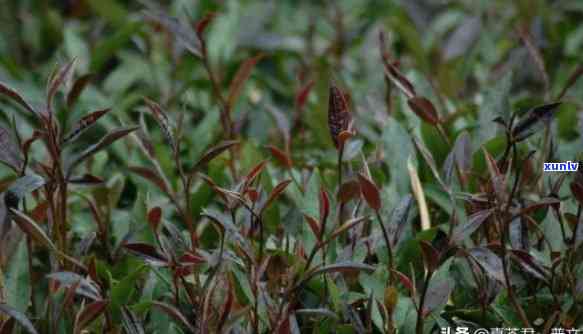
pixel 85 286
pixel 106 141
pixel 163 122
pixel 88 314
pixel 241 76
pixel 78 88
pixel 474 222
pixel 19 317
pixel 9 150
pixel 437 294
pixel 490 262
pixel 370 192
pixel 84 124
pixel 16 97
pixel 57 81
pixel 423 108
pixel 181 32
pixel 174 313
pixel 212 153
pixel 525 127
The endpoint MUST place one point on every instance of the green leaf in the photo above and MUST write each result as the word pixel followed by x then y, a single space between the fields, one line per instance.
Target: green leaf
pixel 105 49
pixel 17 279
pixel 19 317
pixel 397 143
pixel 496 104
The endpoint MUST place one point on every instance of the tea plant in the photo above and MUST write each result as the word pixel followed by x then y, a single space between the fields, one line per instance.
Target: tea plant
pixel 341 175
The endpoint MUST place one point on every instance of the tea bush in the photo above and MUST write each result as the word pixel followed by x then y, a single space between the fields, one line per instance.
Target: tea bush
pixel 290 166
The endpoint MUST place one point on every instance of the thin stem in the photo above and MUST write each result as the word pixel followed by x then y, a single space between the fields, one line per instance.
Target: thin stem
pixel 419 326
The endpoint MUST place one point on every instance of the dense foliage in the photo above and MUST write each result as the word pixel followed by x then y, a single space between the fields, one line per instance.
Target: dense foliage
pixel 290 166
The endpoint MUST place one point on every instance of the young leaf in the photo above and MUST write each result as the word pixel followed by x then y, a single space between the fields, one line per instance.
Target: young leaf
pixel 302 95
pixel 154 217
pixel 430 256
pixel 338 114
pixel 107 140
pixel 341 267
pixel 57 81
pixel 9 151
pixel 28 226
pixel 86 179
pixel 314 225
pixel 19 317
pixel 150 175
pixel 181 32
pixel 85 286
pixel 148 253
pixel 423 108
pixel 393 73
pixel 84 124
pixel 26 184
pixel 88 314
pixel 163 122
pixel 202 24
pixel 462 232
pixel 253 174
pixel 489 261
pixel 346 226
pixel 281 156
pixel 526 126
pixel 241 76
pixel 130 322
pixel 370 192
pixel 437 294
pixel 174 313
pixel 78 88
pixel 349 190
pixel 536 56
pixel 212 153
pixel 277 190
pixel 15 96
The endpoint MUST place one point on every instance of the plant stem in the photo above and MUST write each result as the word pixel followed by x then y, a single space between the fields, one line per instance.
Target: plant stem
pixel 419 326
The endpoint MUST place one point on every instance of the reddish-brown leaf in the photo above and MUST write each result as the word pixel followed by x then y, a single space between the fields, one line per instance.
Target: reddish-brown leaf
pixel 147 252
pixel 86 179
pixel 9 150
pixel 226 310
pixel 281 156
pixel 212 153
pixel 406 281
pixel 88 314
pixel 203 24
pixel 324 205
pixel 535 54
pixel 370 192
pixel 174 313
pixel 241 76
pixel 303 93
pixel 83 124
pixel 275 193
pixel 252 175
pixel 349 190
pixel 106 141
pixel 423 108
pixel 78 88
pixel 314 225
pixel 16 97
pixel 393 73
pixel 57 81
pixel 150 175
pixel 163 122
pixel 338 114
pixel 430 256
pixel 154 217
